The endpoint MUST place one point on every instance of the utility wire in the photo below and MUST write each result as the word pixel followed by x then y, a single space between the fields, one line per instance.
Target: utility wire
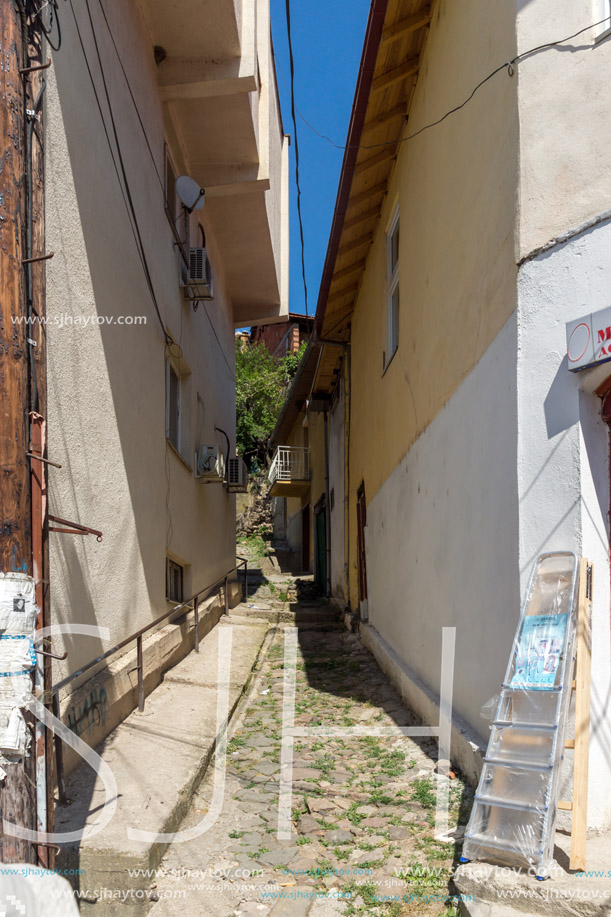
pixel 217 339
pixel 152 155
pixel 129 88
pixel 130 201
pixel 124 185
pixel 292 90
pixel 508 65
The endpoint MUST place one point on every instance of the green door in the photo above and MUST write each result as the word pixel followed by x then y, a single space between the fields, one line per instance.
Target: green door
pixel 321 548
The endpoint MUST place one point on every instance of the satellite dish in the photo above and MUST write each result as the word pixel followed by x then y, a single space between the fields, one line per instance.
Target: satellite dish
pixel 190 193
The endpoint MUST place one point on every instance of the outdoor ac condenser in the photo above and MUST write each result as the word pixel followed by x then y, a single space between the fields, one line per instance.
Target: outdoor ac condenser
pixel 210 465
pixel 237 475
pixel 198 281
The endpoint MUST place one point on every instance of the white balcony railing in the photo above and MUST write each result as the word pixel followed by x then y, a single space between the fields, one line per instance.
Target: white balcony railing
pixel 291 463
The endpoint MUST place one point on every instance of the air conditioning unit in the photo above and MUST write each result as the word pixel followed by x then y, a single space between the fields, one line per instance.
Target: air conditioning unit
pixel 237 476
pixel 210 465
pixel 197 284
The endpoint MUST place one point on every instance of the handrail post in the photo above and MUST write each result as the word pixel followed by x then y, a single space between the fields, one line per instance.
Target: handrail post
pixel 227 595
pixel 196 622
pixel 140 674
pixel 245 580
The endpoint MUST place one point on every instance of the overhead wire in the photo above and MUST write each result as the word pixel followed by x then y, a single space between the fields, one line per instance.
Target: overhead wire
pixel 124 190
pixel 292 93
pixel 133 98
pixel 153 160
pixel 507 65
pixel 147 272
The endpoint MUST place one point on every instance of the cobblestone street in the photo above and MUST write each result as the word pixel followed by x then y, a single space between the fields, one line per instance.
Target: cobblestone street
pixel 363 808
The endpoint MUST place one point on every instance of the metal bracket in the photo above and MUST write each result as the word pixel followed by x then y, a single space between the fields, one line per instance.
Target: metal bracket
pixel 26 70
pixel 38 257
pixel 39 458
pixel 74 528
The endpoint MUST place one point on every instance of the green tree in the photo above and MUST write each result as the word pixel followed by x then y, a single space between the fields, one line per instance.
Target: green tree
pixel 262 382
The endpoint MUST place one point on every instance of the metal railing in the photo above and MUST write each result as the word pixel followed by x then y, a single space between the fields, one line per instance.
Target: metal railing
pixel 290 463
pixel 191 604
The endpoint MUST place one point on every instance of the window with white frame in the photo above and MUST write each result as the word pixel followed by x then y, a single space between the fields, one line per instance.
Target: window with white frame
pixel 392 268
pixel 602 14
pixel 172 404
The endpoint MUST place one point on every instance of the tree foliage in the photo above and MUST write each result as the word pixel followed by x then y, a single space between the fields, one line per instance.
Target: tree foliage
pixel 262 383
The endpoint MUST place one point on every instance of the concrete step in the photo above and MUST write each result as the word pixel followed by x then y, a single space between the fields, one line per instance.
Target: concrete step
pixel 158 759
pixel 296 614
pixel 494 891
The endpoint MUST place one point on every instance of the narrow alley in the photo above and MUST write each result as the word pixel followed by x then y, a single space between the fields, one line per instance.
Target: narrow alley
pixel 362 809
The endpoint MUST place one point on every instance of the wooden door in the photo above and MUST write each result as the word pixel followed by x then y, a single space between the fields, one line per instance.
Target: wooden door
pixel 320 519
pixel 305 538
pixel 361 523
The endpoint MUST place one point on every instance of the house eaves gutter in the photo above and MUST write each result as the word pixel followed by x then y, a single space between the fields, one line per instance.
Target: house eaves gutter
pixel 373 34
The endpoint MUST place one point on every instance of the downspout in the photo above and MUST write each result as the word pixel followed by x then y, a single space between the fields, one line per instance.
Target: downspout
pixel 328 504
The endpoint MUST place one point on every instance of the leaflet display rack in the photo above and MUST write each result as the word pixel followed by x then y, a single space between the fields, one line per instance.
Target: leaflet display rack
pixel 514 813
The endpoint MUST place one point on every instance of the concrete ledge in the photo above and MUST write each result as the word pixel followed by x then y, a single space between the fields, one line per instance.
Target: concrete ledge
pixel 158 759
pixel 96 706
pixel 467 747
pixel 504 892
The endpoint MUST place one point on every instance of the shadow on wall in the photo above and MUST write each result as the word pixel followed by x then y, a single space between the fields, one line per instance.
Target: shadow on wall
pixel 107 380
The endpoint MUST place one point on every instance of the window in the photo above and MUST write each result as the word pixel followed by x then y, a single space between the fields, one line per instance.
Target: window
pixel 602 11
pixel 172 405
pixel 392 267
pixel 174 579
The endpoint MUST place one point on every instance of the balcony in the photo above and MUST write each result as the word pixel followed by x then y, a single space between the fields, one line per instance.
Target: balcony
pixel 217 83
pixel 289 475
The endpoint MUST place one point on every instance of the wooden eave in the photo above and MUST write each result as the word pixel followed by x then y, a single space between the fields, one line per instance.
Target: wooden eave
pixel 400 45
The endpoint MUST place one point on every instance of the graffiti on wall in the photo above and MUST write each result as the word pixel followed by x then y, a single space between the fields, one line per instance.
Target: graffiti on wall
pixel 90 712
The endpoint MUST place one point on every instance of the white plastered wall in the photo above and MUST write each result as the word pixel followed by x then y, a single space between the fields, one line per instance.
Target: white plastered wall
pixel 443 537
pixel 563 452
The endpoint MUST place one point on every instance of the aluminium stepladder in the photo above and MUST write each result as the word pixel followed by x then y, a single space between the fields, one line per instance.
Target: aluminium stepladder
pixel 513 817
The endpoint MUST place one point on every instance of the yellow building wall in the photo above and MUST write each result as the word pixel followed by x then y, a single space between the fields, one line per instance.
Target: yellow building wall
pixel 456 187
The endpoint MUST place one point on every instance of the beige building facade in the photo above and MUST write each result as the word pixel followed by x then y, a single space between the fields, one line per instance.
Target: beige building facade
pixel 141 360
pixel 471 225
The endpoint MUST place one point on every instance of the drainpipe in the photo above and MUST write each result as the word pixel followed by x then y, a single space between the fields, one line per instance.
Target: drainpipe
pixel 328 503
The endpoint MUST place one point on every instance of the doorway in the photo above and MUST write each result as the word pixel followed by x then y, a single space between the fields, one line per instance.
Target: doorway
pixel 305 538
pixel 320 544
pixel 361 525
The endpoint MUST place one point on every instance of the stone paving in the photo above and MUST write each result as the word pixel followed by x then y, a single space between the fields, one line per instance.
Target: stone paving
pixel 363 808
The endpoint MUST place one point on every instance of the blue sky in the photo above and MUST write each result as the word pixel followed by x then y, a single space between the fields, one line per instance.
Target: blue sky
pixel 327 43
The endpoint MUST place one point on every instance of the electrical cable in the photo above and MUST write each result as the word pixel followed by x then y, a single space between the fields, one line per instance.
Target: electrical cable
pixel 152 155
pixel 133 98
pixel 49 30
pixel 132 208
pixel 508 65
pixel 124 190
pixel 292 68
pixel 220 430
pixel 29 233
pixel 205 305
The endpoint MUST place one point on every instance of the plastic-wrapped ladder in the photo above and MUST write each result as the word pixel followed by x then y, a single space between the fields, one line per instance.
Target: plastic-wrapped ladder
pixel 513 817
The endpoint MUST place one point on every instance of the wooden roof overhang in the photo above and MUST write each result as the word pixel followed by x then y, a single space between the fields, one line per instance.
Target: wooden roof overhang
pixel 396 32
